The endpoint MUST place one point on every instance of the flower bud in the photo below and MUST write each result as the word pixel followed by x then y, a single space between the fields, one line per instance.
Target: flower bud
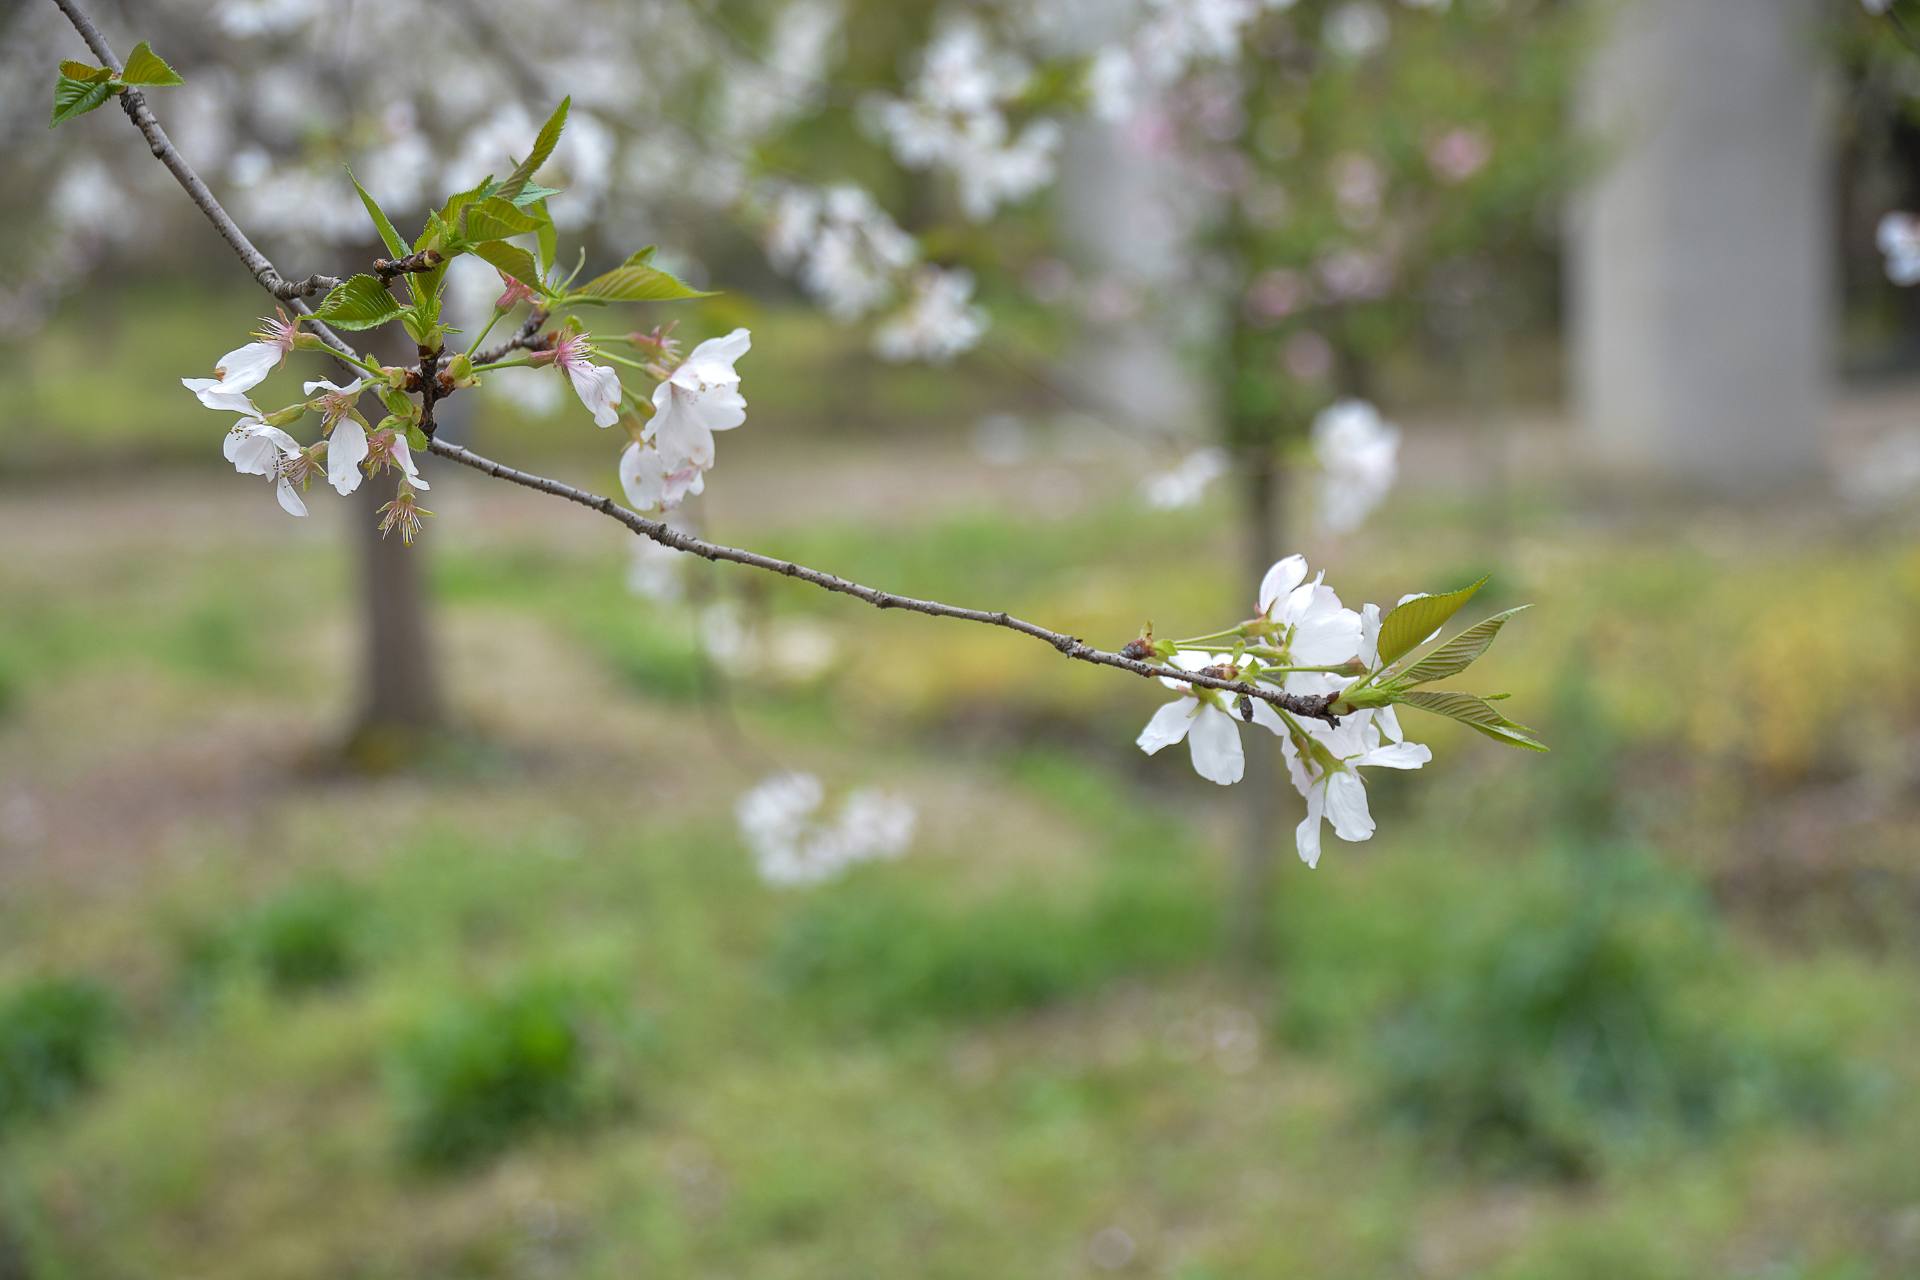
pixel 460 369
pixel 287 416
pixel 304 341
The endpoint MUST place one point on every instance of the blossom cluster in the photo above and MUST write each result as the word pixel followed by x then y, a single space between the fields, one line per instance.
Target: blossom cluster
pixel 794 844
pixel 854 260
pixel 671 430
pixel 347 450
pixel 954 118
pixel 1355 453
pixel 1343 685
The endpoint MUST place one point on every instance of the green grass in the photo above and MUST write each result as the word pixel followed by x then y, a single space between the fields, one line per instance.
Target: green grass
pixel 538 1016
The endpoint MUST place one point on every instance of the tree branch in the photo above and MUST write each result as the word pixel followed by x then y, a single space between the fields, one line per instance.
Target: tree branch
pixel 1318 707
pixel 1311 706
pixel 134 103
pixel 528 337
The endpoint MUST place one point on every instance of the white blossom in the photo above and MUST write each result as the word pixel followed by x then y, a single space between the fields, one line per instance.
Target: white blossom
pixel 347 435
pixel 597 385
pixel 843 248
pixel 939 321
pixel 1205 719
pixel 793 845
pixel 244 368
pixel 1358 453
pixel 700 397
pixel 256 449
pixel 1899 238
pixel 1313 628
pixel 249 18
pixel 1325 769
pixel 653 572
pixel 653 483
pixel 1185 483
pixel 953 119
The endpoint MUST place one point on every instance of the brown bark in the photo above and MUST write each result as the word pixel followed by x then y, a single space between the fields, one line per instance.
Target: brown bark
pixel 1262 815
pixel 399 702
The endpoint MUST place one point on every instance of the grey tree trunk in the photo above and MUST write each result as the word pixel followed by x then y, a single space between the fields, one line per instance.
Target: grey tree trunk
pixel 1700 273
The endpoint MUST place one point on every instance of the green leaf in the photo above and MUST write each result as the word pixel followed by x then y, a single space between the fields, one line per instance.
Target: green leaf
pixel 636 280
pixel 84 71
pixel 389 235
pixel 449 216
pixel 512 260
pixel 1457 654
pixel 546 238
pixel 534 192
pixel 144 66
pixel 1408 626
pixel 495 219
pixel 1475 713
pixel 542 148
pixel 359 302
pixel 425 285
pixel 77 97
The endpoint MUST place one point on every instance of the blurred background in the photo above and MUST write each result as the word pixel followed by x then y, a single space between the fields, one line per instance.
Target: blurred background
pixel 387 912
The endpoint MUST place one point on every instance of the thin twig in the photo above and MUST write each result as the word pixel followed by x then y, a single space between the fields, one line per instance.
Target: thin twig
pixel 1316 707
pixel 135 105
pixel 529 337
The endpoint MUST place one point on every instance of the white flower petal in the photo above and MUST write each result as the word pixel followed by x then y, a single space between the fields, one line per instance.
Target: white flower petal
pixel 346 450
pixel 1400 755
pixel 245 368
pixel 1215 742
pixel 255 449
pixel 724 351
pixel 1306 836
pixel 1326 639
pixel 1347 806
pixel 599 389
pixel 1280 580
pixel 403 457
pixel 216 394
pixel 1168 726
pixel 290 500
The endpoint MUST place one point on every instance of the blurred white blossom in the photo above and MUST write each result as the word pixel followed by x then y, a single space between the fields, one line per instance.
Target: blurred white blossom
pixel 939 321
pixel 1887 471
pixel 1358 453
pixel 1899 238
pixel 794 844
pixel 1185 483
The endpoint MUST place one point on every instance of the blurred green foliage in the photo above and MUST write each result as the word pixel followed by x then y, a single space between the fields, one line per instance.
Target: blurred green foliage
pixel 1589 1010
pixel 481 1071
pixel 306 938
pixel 54 1034
pixel 878 954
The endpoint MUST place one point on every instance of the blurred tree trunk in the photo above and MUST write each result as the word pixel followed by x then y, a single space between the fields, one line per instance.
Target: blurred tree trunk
pixel 1263 815
pixel 399 685
pixel 399 703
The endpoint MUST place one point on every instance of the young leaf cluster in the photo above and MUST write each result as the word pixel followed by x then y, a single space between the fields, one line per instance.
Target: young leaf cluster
pixel 80 86
pixel 1397 682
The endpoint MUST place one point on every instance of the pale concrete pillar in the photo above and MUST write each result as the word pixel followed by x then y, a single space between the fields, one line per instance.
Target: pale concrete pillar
pixel 1125 230
pixel 1701 285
